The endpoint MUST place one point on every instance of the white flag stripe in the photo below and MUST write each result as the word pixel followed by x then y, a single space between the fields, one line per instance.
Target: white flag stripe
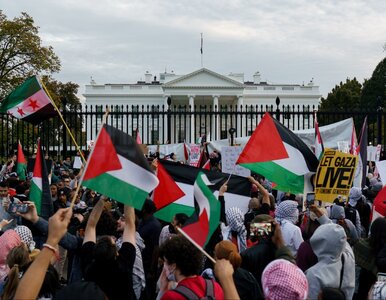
pixel 38 182
pixel 135 175
pixel 295 163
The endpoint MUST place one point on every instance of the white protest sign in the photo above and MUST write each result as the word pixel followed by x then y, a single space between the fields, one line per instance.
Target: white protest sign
pixel 229 156
pixel 381 166
pixel 77 162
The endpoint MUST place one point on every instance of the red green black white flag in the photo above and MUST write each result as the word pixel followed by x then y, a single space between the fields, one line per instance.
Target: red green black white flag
pixel 204 222
pixel 118 169
pixel 29 102
pixel 278 154
pixel 21 167
pixel 40 192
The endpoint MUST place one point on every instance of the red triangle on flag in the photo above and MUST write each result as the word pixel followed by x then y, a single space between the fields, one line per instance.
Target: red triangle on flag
pixel 104 157
pixel 20 154
pixel 167 190
pixel 38 162
pixel 198 231
pixel 265 144
pixel 206 166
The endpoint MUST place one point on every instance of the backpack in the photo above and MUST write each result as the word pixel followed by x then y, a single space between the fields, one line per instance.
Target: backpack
pixel 189 294
pixel 351 214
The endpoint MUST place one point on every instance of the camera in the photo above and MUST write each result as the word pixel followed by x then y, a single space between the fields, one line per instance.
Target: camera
pixel 18 207
pixel 261 229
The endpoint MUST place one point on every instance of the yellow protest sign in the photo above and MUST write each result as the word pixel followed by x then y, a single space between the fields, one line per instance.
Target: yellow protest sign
pixel 335 175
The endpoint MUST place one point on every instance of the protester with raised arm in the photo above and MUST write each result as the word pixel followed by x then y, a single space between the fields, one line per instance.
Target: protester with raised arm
pixel 102 264
pixel 32 280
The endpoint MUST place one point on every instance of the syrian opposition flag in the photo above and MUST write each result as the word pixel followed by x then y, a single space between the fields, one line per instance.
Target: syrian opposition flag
pixel 118 169
pixel 319 148
pixel 167 190
pixel 40 192
pixel 206 218
pixel 279 155
pixel 238 193
pixel 29 102
pixel 21 167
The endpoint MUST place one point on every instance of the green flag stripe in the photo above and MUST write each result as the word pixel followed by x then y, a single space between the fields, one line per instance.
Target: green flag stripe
pixel 21 170
pixel 117 189
pixel 168 212
pixel 286 180
pixel 214 204
pixel 28 88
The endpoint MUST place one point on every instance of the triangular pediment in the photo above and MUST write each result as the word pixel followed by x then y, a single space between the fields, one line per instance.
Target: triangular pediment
pixel 203 78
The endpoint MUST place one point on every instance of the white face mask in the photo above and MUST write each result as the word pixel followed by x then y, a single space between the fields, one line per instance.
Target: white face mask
pixel 170 273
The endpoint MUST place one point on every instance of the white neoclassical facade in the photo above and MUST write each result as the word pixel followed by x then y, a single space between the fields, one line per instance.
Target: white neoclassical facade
pixel 200 88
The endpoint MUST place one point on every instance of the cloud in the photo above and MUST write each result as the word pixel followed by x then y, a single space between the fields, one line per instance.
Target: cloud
pixel 288 41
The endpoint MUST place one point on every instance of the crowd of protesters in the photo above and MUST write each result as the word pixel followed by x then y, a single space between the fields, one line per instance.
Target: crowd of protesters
pixel 101 249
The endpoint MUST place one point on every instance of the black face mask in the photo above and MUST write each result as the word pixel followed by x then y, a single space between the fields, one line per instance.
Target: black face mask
pixel 171 229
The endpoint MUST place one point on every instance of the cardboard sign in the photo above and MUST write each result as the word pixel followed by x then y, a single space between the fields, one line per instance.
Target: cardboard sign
pixel 77 162
pixel 194 157
pixel 335 175
pixel 229 156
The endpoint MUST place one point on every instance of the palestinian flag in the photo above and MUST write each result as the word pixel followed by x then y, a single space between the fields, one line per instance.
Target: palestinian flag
pixel 167 190
pixel 29 102
pixel 319 148
pixel 278 154
pixel 206 218
pixel 363 151
pixel 21 167
pixel 238 194
pixel 118 169
pixel 40 192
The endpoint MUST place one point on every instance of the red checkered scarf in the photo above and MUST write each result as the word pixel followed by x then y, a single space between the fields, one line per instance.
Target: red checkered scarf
pixel 284 280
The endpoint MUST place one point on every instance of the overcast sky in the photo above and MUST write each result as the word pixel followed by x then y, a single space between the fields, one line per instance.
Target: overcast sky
pixel 116 41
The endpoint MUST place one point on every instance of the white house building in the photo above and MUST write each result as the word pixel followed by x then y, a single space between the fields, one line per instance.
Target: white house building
pixel 193 91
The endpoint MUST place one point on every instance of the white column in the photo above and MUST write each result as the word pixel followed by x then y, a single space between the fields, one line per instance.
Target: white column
pixel 240 120
pixel 165 127
pixel 192 118
pixel 215 134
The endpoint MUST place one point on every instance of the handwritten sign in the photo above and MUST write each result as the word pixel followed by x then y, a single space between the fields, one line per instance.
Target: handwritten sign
pixel 229 156
pixel 335 175
pixel 194 157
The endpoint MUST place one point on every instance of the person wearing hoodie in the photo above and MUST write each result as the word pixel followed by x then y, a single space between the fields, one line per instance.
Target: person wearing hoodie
pixel 287 215
pixel 336 263
pixel 337 216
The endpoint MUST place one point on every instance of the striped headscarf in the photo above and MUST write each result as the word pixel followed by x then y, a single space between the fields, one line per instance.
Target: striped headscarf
pixel 287 210
pixel 235 220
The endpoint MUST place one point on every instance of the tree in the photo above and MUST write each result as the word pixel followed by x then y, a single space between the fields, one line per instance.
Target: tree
pixel 21 52
pixel 374 89
pixel 343 97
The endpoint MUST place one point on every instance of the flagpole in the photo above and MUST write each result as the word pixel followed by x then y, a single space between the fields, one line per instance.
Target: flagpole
pixel 196 245
pixel 202 51
pixel 92 150
pixel 64 122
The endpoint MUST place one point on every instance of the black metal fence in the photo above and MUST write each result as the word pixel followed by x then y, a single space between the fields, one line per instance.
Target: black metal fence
pixel 170 124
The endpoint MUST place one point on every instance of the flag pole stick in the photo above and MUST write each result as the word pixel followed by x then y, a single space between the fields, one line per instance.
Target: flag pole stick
pixel 196 245
pixel 234 168
pixel 64 122
pixel 85 168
